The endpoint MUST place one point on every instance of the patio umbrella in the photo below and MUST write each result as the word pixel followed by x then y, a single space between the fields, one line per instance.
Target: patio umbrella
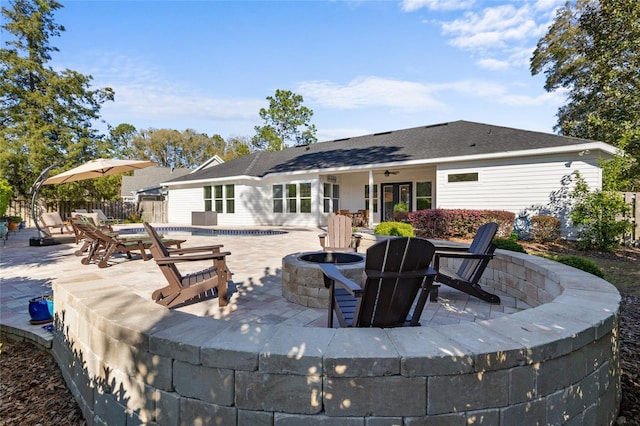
pixel 98 168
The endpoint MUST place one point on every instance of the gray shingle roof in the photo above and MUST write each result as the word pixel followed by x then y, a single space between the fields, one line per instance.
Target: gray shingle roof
pixel 149 177
pixel 436 141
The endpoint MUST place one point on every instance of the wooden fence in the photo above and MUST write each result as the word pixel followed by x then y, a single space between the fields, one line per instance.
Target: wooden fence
pixel 633 200
pixel 150 211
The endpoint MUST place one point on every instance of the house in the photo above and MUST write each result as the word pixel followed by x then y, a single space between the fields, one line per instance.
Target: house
pixel 455 165
pixel 145 183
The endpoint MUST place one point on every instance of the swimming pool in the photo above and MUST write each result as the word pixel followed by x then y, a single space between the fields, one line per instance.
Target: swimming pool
pixel 204 231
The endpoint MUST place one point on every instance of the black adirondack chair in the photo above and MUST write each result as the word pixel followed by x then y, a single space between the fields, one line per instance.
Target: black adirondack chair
pixel 476 257
pixel 397 276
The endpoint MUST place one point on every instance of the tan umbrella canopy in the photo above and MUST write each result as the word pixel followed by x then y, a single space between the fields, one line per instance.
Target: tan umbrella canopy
pixel 98 168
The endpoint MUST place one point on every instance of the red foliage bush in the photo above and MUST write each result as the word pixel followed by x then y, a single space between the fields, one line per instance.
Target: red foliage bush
pixel 458 223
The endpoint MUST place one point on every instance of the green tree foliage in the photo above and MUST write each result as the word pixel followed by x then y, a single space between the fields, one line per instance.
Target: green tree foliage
pixel 599 216
pixel 616 172
pixel 591 50
pixel 284 120
pixel 172 148
pixel 119 142
pixel 46 116
pixel 237 146
pixel 5 196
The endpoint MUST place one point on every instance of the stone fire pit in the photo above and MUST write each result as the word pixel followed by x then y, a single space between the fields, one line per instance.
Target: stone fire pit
pixel 302 279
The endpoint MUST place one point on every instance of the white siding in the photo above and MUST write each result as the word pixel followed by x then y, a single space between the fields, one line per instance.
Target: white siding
pixel 183 201
pixel 253 203
pixel 527 183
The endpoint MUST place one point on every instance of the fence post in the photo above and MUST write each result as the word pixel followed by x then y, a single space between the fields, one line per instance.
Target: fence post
pixel 633 200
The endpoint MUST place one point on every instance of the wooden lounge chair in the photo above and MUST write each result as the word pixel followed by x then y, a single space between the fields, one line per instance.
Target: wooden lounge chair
pixel 52 221
pixel 475 259
pixel 102 218
pixel 103 245
pixel 396 275
pixel 89 219
pixel 339 236
pixel 182 288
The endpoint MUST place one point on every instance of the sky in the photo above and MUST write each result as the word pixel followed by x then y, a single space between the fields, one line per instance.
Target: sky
pixel 361 66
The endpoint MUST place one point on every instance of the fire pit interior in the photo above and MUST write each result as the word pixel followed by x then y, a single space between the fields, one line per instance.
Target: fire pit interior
pixel 302 279
pixel 332 257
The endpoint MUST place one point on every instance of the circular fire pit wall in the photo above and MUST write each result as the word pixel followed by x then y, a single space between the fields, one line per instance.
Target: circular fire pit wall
pixel 302 279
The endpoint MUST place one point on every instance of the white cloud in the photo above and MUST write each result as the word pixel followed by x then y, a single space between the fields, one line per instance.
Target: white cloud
pixel 413 5
pixel 494 27
pixel 493 64
pixel 143 93
pixel 368 92
pixel 505 94
pixel 408 96
pixel 494 33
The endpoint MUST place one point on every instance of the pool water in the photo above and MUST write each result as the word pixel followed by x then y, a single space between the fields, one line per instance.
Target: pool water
pixel 204 231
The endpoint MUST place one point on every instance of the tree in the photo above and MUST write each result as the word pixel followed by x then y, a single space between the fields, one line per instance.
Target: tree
pixel 591 50
pixel 172 148
pixel 237 146
pixel 119 143
pixel 283 122
pixel 45 116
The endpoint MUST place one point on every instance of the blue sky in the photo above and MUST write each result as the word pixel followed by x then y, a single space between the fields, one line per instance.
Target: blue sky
pixel 361 66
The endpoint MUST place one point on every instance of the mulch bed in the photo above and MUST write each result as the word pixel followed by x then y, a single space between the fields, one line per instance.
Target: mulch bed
pixel 32 390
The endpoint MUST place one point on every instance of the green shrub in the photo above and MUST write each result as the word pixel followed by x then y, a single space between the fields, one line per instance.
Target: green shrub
pixel 508 244
pixel 5 196
pixel 596 214
pixel 134 218
pixel 544 228
pixel 581 263
pixel 394 229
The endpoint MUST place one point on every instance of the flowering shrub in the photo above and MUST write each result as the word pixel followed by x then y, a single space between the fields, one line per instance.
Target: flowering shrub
pixel 460 223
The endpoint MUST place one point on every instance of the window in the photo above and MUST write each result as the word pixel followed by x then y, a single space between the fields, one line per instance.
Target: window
pixel 305 198
pixel 292 198
pixel 214 200
pixel 462 177
pixel 278 202
pixel 229 193
pixel 375 198
pixel 217 198
pixel 424 195
pixel 287 198
pixel 207 199
pixel 331 197
pixel 326 197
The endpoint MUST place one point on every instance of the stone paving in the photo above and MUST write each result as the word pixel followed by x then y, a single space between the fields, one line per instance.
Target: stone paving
pixel 256 295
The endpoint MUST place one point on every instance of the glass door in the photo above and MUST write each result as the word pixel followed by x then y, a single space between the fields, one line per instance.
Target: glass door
pixel 392 194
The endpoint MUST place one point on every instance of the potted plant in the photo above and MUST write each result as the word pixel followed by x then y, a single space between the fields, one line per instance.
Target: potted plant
pixel 39 309
pixel 14 222
pixel 400 212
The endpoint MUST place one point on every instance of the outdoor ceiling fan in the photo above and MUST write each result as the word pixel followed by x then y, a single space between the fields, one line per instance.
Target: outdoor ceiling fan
pixel 388 172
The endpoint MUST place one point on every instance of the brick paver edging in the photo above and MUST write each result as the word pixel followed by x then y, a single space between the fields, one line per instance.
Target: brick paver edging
pixel 128 360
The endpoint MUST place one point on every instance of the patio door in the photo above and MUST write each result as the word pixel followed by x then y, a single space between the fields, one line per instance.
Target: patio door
pixel 392 194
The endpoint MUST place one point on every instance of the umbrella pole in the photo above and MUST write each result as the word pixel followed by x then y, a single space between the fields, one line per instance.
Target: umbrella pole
pixel 43 238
